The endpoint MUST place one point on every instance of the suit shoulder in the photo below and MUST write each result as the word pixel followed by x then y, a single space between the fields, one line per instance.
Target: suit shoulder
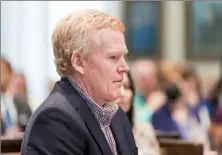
pixel 52 126
pixel 54 104
pixel 55 101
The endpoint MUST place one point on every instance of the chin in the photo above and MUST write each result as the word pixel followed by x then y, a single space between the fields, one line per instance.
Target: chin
pixel 114 97
pixel 117 96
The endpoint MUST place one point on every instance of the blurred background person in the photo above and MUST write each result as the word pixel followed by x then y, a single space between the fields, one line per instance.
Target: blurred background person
pixel 175 116
pixel 143 131
pixel 15 110
pixel 197 105
pixel 165 119
pixel 215 130
pixel 147 98
pixel 207 86
pixel 169 73
pixel 17 87
pixel 216 100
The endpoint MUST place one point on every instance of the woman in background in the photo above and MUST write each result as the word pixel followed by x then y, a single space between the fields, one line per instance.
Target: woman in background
pixel 197 105
pixel 143 131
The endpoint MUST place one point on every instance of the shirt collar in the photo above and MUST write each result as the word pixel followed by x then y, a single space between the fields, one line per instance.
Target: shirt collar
pixel 103 114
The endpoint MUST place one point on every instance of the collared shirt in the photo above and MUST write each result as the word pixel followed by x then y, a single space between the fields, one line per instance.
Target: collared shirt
pixel 103 115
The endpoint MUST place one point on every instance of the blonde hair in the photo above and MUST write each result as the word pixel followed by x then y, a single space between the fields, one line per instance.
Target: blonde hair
pixel 73 34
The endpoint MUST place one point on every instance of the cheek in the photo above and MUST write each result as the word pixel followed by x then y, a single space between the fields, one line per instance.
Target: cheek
pixel 94 72
pixel 110 68
pixel 107 72
pixel 104 75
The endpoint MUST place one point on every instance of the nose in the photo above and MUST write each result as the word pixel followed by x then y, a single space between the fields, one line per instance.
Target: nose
pixel 123 68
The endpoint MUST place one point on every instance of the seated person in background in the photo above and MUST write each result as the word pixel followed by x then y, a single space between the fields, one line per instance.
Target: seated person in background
pixel 216 101
pixel 147 96
pixel 15 110
pixel 215 132
pixel 175 116
pixel 216 126
pixel 17 87
pixel 163 118
pixel 198 106
pixel 143 131
pixel 207 88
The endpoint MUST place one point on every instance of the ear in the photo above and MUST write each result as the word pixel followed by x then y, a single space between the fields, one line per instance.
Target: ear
pixel 77 63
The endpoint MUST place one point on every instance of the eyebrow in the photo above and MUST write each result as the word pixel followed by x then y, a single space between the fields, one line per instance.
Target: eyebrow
pixel 118 52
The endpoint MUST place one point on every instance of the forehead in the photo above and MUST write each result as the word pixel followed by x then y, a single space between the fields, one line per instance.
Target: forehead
pixel 112 41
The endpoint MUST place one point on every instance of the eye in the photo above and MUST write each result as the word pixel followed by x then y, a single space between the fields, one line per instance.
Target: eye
pixel 112 57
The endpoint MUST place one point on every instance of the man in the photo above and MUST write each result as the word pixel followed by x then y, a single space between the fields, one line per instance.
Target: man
pixel 80 117
pixel 148 98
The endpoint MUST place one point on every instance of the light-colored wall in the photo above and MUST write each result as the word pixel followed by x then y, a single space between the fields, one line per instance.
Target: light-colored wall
pixel 173 31
pixel 24 43
pixel 211 69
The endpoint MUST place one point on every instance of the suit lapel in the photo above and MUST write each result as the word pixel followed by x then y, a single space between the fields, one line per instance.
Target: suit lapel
pixel 89 119
pixel 119 135
pixel 95 130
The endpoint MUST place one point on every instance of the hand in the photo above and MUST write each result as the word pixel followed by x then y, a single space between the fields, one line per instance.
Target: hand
pixel 155 100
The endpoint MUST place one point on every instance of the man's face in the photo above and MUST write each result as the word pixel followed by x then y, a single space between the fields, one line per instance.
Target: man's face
pixel 105 66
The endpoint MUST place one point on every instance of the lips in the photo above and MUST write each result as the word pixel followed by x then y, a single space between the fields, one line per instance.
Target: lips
pixel 119 80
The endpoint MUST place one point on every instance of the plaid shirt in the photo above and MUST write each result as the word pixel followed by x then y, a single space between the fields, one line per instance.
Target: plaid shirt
pixel 102 114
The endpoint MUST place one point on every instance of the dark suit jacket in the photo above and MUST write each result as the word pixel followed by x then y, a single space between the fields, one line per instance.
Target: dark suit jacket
pixel 64 125
pixel 163 121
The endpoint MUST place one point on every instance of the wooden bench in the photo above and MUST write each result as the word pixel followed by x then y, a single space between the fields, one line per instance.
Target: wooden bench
pixel 11 145
pixel 180 147
pixel 168 135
